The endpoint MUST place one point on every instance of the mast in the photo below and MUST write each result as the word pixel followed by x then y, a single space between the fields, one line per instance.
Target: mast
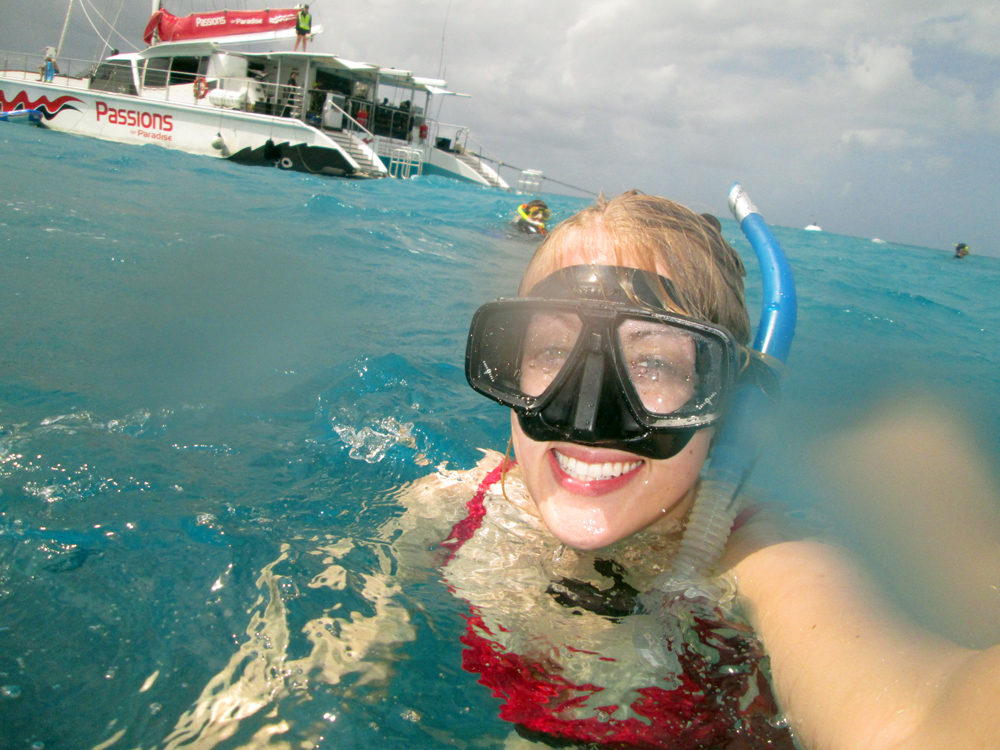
pixel 62 37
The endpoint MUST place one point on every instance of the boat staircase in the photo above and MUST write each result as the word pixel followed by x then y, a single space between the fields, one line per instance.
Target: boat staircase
pixel 481 168
pixel 365 159
pixel 292 105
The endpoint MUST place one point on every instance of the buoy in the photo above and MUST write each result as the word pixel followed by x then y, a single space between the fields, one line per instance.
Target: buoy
pixel 200 88
pixel 217 143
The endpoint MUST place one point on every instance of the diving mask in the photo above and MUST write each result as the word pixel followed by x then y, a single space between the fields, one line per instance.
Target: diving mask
pixel 594 357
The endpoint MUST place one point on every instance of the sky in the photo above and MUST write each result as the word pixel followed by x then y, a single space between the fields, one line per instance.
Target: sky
pixel 871 118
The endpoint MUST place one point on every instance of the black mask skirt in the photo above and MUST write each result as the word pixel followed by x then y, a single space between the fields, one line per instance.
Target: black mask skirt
pixel 594 357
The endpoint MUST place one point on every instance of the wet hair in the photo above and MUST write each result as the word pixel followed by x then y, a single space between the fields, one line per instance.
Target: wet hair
pixel 656 234
pixel 537 203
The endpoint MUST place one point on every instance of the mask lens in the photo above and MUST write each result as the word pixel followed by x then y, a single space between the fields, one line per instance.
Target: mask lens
pixel 661 363
pixel 548 341
pixel 516 351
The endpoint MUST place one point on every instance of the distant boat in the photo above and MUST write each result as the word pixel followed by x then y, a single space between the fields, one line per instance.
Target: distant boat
pixel 877 241
pixel 813 228
pixel 315 113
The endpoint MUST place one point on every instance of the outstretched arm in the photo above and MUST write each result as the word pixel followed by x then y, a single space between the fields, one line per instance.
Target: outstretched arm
pixel 849 671
pixel 851 674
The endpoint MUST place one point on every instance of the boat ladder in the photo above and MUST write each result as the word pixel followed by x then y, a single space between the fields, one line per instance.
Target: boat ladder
pixel 530 182
pixel 406 162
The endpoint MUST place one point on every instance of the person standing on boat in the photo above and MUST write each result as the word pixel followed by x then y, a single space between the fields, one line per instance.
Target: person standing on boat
pixel 49 68
pixel 293 83
pixel 303 27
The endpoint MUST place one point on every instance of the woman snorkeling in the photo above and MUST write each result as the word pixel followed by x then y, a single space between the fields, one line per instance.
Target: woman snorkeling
pixel 616 362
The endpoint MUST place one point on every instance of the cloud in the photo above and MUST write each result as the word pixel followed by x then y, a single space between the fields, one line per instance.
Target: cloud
pixel 881 139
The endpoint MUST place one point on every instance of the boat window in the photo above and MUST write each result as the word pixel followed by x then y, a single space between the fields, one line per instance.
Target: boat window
pixel 255 69
pixel 332 82
pixel 187 69
pixel 114 76
pixel 156 72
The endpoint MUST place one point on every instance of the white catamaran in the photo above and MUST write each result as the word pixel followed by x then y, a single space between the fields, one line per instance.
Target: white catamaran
pixel 189 90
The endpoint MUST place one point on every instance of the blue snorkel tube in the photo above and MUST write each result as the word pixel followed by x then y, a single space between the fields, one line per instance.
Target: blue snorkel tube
pixel 746 427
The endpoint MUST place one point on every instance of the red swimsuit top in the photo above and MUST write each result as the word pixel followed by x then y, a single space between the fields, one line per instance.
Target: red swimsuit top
pixel 723 700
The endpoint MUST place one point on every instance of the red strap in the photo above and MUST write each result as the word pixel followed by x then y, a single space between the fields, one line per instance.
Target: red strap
pixel 462 531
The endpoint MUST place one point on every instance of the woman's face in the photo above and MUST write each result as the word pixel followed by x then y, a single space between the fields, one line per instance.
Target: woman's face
pixel 591 497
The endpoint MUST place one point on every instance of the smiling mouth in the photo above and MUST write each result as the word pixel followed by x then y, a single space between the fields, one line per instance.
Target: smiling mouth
pixel 594 472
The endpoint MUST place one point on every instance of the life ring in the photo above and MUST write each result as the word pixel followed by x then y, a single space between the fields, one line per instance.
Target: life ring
pixel 285 163
pixel 200 87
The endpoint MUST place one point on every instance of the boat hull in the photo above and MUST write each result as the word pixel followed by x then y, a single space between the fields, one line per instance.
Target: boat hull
pixel 201 128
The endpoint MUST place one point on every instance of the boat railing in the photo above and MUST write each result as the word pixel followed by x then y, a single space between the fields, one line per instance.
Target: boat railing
pixel 279 99
pixel 242 93
pixel 348 123
pixel 461 142
pixel 28 66
pixel 473 146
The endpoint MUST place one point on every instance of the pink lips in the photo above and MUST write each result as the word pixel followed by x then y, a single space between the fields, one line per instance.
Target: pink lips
pixel 592 487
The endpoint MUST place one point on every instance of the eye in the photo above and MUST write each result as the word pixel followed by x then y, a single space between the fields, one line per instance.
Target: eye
pixel 548 343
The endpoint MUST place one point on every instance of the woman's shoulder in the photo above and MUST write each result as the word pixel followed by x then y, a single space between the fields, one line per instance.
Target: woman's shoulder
pixel 428 493
pixel 763 522
pixel 432 505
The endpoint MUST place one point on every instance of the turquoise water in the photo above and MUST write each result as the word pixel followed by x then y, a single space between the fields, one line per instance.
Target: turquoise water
pixel 209 371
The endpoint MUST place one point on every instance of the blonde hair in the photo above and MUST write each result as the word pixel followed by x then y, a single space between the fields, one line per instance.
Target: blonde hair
pixel 655 234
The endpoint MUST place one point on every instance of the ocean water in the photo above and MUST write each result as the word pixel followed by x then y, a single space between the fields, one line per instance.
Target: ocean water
pixel 214 379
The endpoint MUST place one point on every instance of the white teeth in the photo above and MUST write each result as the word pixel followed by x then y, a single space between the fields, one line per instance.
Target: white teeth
pixel 591 472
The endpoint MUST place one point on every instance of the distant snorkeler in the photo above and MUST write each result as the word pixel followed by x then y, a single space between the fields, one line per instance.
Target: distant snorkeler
pixel 531 217
pixel 961 250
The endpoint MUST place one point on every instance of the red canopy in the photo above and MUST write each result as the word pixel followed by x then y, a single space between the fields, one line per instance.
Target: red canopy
pixel 171 28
